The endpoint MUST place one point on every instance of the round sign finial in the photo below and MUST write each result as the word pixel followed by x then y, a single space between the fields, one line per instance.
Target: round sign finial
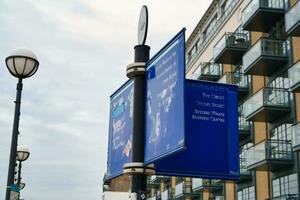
pixel 143 26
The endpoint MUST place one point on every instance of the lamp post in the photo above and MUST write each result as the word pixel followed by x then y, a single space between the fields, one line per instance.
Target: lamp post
pixel 22 155
pixel 22 63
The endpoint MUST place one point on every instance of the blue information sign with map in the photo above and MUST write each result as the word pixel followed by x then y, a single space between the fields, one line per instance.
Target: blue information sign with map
pixel 165 100
pixel 120 130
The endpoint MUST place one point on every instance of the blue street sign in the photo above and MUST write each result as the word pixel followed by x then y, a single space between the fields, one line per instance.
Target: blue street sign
pixel 120 130
pixel 211 134
pixel 165 100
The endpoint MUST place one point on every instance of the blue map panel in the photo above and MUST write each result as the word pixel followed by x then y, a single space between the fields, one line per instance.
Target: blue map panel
pixel 120 130
pixel 164 134
pixel 211 134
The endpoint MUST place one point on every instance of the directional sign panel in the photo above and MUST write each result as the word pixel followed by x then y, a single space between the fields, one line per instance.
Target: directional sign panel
pixel 165 100
pixel 120 130
pixel 212 142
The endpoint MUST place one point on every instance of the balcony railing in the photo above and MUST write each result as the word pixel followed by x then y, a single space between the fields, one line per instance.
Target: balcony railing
pixel 244 172
pixel 239 79
pixel 231 47
pixel 244 128
pixel 286 197
pixel 292 20
pixel 294 75
pixel 269 154
pixel 182 189
pixel 166 195
pixel 207 184
pixel 296 137
pixel 157 179
pixel 212 31
pixel 267 105
pixel 265 57
pixel 208 71
pixel 260 15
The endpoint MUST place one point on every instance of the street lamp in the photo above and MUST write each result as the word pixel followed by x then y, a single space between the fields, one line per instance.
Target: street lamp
pixel 22 63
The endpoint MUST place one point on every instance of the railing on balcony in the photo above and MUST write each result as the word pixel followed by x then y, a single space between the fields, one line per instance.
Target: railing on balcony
pixel 296 137
pixel 294 75
pixel 212 31
pixel 210 184
pixel 182 189
pixel 259 15
pixel 292 20
pixel 286 197
pixel 166 195
pixel 244 129
pixel 239 79
pixel 208 71
pixel 267 105
pixel 231 47
pixel 269 154
pixel 265 57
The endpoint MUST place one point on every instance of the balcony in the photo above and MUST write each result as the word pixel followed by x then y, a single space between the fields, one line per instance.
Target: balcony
pixel 239 79
pixel 244 128
pixel 267 105
pixel 245 174
pixel 265 57
pixel 292 20
pixel 208 71
pixel 231 48
pixel 181 190
pixel 166 195
pixel 261 15
pixel 286 197
pixel 296 137
pixel 269 155
pixel 294 75
pixel 206 184
pixel 156 180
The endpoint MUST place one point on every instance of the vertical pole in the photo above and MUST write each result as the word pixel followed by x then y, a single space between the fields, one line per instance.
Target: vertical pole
pixel 19 176
pixel 139 182
pixel 14 141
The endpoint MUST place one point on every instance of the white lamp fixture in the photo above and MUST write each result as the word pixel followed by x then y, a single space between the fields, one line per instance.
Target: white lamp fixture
pixel 22 153
pixel 22 63
pixel 22 184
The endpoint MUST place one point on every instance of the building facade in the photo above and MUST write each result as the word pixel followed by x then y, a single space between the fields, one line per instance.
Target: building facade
pixel 254 44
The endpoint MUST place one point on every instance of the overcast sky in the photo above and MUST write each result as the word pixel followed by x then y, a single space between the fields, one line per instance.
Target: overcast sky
pixel 83 47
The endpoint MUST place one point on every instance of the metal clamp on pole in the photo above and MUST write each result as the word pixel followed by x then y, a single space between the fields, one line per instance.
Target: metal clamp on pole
pixel 135 69
pixel 138 168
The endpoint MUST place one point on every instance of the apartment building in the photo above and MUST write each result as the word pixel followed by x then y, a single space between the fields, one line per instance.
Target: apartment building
pixel 254 44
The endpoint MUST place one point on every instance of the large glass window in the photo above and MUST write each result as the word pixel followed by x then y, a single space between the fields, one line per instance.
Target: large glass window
pixel 285 186
pixel 247 194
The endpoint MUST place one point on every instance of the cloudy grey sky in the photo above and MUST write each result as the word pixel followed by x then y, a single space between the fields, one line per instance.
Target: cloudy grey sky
pixel 83 47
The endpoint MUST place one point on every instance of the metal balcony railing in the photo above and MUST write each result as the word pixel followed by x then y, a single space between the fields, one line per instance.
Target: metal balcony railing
pixel 294 75
pixel 231 47
pixel 292 20
pixel 166 195
pixel 261 54
pixel 268 102
pixel 207 71
pixel 258 10
pixel 182 189
pixel 239 79
pixel 275 150
pixel 286 197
